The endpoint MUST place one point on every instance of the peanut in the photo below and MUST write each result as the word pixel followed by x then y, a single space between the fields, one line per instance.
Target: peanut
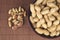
pixel 36 19
pixel 31 19
pixel 38 30
pixel 58 28
pixel 37 8
pixel 44 25
pixel 38 2
pixel 38 24
pixel 57 34
pixel 53 34
pixel 52 28
pixel 56 22
pixel 52 18
pixel 32 10
pixel 45 12
pixel 9 23
pixel 39 15
pixel 46 32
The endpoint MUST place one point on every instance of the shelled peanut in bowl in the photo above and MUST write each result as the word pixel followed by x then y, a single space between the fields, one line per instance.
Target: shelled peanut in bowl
pixel 16 18
pixel 45 17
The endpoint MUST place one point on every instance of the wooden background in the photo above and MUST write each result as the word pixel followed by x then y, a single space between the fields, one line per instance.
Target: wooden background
pixel 24 33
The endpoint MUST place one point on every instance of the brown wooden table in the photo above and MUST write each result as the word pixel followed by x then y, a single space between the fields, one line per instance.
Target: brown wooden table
pixel 24 33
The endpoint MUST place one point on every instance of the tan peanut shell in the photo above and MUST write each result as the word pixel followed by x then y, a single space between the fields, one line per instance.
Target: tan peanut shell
pixel 40 31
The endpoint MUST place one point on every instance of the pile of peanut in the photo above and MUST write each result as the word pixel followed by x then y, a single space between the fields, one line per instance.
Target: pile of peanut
pixel 16 17
pixel 45 17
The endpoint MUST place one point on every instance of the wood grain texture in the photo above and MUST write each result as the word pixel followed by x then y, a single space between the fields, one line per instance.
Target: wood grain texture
pixel 23 33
